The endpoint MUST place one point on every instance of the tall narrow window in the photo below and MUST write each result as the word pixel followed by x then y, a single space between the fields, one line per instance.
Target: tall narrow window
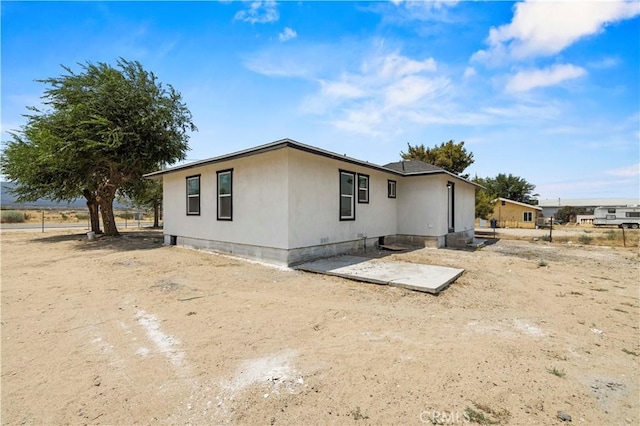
pixel 391 188
pixel 363 188
pixel 193 195
pixel 527 216
pixel 347 195
pixel 225 195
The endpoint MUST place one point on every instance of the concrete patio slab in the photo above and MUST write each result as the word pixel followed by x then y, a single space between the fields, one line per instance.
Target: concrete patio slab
pixel 413 276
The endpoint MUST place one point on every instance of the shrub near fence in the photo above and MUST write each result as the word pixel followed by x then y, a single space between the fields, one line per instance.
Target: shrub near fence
pixel 11 216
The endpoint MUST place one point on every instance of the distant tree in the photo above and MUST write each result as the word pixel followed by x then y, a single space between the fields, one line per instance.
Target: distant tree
pixel 147 193
pixel 451 156
pixel 108 126
pixel 567 213
pixel 512 187
pixel 484 200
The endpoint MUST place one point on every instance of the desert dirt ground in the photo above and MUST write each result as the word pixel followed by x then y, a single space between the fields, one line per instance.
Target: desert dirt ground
pixel 127 331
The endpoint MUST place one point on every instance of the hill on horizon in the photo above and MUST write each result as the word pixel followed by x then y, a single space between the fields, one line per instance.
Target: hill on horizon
pixel 7 199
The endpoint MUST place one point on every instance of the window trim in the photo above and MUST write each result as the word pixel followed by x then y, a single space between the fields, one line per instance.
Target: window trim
pixel 353 195
pixel 365 201
pixel 190 213
pixel 524 216
pixel 218 195
pixel 392 183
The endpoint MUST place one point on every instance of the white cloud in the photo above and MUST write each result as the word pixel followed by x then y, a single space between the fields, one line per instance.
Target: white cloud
pixel 287 34
pixel 340 89
pixel 396 66
pixel 469 72
pixel 629 171
pixel 411 89
pixel 546 28
pixel 383 92
pixel 524 81
pixel 259 12
pixel 411 12
pixel 605 63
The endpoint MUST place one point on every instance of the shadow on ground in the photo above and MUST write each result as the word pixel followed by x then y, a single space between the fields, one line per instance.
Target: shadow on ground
pixel 127 241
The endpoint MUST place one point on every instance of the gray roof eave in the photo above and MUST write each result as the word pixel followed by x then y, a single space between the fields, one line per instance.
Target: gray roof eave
pixel 290 143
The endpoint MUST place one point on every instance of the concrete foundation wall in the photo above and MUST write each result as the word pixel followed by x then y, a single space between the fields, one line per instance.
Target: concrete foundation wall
pixel 415 240
pixel 460 239
pixel 273 255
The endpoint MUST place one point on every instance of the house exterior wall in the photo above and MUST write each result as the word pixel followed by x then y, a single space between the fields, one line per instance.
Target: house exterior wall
pixel 314 203
pixel 286 208
pixel 260 203
pixel 423 209
pixel 422 206
pixel 511 215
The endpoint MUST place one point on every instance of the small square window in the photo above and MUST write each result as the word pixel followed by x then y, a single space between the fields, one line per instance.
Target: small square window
pixel 391 188
pixel 363 188
pixel 503 203
pixel 527 216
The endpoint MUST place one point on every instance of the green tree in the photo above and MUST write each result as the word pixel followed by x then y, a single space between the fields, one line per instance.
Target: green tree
pixel 147 193
pixel 512 187
pixel 566 213
pixel 450 155
pixel 109 126
pixel 43 172
pixel 484 199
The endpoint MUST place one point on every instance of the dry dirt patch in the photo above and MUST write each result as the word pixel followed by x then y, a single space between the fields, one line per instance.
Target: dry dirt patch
pixel 127 330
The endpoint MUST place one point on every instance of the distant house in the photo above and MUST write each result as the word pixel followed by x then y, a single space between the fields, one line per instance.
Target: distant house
pixel 514 214
pixel 286 203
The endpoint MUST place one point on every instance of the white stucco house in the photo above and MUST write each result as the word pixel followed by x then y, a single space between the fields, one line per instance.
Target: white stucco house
pixel 287 203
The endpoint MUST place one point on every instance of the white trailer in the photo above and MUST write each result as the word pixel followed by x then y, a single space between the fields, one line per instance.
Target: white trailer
pixel 622 217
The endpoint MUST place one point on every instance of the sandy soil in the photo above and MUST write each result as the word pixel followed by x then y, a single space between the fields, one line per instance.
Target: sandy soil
pixel 126 331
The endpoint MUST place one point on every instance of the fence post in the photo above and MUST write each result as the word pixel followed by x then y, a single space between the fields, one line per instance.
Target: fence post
pixel 551 230
pixel 624 239
pixel 43 221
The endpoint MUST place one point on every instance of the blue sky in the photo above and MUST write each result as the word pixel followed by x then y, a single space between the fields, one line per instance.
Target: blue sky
pixel 546 91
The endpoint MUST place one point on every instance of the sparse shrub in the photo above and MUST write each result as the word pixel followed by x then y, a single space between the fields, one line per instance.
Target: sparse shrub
pixel 358 415
pixel 545 237
pixel 610 234
pixel 12 216
pixel 585 239
pixel 556 372
pixel 64 216
pixel 542 263
pixel 27 216
pixel 82 216
pixel 126 215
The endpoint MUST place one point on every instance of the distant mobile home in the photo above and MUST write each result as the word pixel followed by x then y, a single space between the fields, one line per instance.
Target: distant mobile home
pixel 620 216
pixel 287 203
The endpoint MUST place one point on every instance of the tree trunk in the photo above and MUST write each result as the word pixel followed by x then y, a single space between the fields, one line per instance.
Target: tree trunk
pixel 92 205
pixel 156 214
pixel 105 195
